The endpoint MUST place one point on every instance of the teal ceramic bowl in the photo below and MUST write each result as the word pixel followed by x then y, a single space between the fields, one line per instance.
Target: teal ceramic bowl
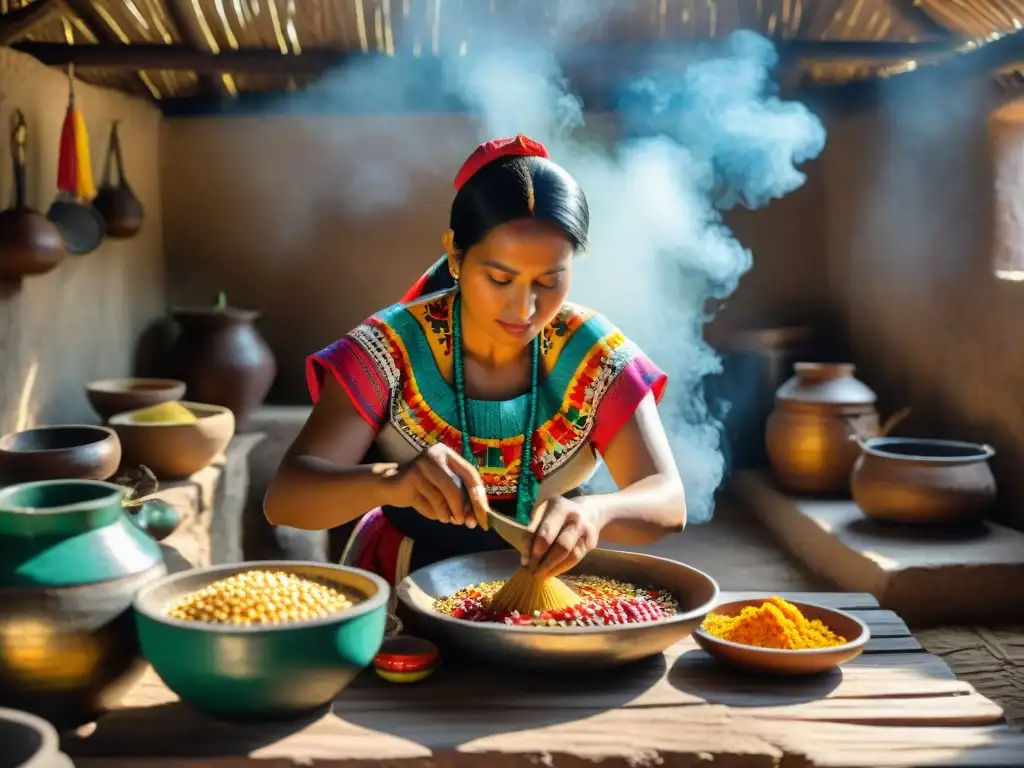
pixel 261 672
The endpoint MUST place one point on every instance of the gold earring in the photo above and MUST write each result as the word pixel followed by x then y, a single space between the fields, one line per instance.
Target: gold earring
pixel 448 241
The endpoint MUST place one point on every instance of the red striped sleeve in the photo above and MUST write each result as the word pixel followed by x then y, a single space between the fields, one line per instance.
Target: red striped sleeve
pixel 354 369
pixel 620 402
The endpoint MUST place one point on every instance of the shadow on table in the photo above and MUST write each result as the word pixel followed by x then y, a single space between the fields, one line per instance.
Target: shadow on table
pixel 177 730
pixel 698 674
pixel 458 706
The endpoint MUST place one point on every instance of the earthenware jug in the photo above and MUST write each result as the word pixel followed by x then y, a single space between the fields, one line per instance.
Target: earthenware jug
pixel 222 357
pixel 71 562
pixel 808 434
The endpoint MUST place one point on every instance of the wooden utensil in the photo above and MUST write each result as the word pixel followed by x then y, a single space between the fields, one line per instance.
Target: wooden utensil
pixel 519 536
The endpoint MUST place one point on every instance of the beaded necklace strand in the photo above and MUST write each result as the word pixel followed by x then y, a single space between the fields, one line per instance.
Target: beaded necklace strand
pixel 526 491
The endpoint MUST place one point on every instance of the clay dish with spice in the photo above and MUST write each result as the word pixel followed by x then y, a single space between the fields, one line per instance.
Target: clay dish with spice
pixel 779 661
pixel 175 450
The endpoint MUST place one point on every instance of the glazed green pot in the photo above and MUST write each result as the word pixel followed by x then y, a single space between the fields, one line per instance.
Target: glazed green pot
pixel 261 672
pixel 71 562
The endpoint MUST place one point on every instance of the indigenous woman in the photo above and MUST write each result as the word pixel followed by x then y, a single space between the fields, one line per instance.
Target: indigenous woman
pixel 484 387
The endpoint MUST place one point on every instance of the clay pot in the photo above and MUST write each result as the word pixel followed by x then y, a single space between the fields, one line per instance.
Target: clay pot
pixel 71 562
pixel 29 742
pixel 174 451
pixel 112 396
pixel 808 434
pixel 68 451
pixel 222 358
pixel 915 480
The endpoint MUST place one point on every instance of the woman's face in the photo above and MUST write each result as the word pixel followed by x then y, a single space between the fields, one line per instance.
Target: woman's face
pixel 515 280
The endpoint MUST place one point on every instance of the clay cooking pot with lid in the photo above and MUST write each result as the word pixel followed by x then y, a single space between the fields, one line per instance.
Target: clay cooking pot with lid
pixel 808 433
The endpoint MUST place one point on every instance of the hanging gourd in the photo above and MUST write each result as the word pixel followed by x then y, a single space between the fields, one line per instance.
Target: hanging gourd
pixel 81 224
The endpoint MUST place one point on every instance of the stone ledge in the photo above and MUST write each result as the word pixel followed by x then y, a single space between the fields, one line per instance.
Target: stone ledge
pixel 210 504
pixel 928 576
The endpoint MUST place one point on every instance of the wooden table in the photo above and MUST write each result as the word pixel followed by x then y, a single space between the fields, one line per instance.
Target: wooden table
pixel 893 706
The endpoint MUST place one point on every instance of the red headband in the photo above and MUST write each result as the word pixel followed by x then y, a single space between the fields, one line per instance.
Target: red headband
pixel 491 150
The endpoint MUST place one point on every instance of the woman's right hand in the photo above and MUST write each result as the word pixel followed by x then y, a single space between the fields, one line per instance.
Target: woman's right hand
pixel 433 484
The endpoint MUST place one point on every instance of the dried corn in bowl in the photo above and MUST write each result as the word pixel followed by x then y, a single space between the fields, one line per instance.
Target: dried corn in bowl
pixel 584 644
pixel 779 636
pixel 261 640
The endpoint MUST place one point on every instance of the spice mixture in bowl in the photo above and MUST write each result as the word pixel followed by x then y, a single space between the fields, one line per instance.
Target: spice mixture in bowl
pixel 604 602
pixel 632 606
pixel 780 636
pixel 262 640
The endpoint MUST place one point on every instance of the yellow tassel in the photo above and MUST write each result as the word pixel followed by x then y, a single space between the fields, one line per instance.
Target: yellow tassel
pixel 523 592
pixel 86 186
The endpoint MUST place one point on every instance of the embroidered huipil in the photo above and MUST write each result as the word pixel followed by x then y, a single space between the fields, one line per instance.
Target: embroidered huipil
pixel 396 368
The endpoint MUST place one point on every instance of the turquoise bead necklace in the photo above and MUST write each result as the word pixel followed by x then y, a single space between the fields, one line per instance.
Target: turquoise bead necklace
pixel 526 491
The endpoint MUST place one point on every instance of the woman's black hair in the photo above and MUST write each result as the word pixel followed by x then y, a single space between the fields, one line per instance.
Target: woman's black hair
pixel 517 187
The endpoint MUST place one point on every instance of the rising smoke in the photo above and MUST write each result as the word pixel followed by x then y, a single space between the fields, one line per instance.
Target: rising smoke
pixel 692 145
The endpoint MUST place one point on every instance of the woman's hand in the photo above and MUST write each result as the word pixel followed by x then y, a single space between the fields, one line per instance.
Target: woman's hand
pixel 567 530
pixel 433 484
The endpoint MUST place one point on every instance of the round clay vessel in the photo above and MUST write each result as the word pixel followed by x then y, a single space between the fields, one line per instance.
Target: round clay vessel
pixel 111 396
pixel 174 451
pixel 920 481
pixel 779 661
pixel 262 671
pixel 29 742
pixel 70 564
pixel 68 451
pixel 223 358
pixel 808 434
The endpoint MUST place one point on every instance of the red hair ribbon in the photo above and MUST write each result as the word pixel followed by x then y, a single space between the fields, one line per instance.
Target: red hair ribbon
pixel 491 150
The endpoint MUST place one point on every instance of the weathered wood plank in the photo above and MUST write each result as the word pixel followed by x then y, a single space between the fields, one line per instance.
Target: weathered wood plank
pixel 691 680
pixel 738 738
pixel 174 731
pixel 835 745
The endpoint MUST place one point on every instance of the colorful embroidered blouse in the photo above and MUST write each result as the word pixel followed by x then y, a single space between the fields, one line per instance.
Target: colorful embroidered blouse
pixel 397 365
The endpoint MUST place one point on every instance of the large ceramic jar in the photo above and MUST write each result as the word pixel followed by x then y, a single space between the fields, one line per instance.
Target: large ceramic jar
pixel 809 432
pixel 71 562
pixel 222 358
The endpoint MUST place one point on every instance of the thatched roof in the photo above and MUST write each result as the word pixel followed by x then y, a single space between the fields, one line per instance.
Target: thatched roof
pixel 182 48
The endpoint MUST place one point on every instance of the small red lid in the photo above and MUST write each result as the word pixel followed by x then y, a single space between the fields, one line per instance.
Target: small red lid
pixel 405 654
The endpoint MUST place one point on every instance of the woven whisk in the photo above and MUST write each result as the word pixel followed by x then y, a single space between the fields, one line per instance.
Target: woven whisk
pixel 525 593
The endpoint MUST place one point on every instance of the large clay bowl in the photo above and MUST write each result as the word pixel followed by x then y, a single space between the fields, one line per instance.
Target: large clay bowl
pixel 782 662
pixel 558 647
pixel 65 452
pixel 175 451
pixel 112 396
pixel 29 742
pixel 261 672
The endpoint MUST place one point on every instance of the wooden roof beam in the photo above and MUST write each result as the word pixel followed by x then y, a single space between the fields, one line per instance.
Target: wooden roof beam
pixel 209 82
pixel 315 61
pixel 17 24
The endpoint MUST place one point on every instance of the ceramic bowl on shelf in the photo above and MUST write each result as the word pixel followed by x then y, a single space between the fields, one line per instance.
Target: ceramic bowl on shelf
pixel 786 662
pixel 111 396
pixel 63 452
pixel 29 742
pixel 264 671
pixel 175 450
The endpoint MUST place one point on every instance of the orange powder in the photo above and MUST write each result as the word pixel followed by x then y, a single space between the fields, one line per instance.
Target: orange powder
pixel 773 624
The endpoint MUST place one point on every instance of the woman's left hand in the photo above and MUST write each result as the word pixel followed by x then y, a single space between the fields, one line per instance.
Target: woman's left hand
pixel 567 530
